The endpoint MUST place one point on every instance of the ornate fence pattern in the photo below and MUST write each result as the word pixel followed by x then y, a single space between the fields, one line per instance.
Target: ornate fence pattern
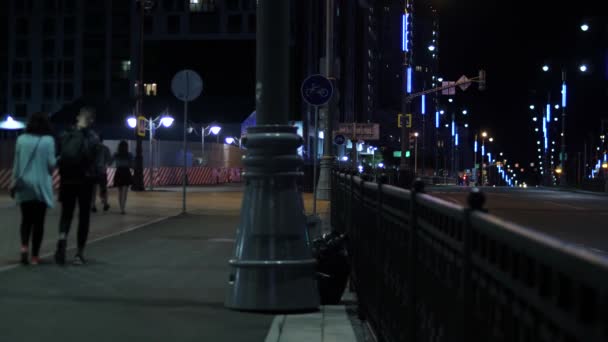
pixel 428 270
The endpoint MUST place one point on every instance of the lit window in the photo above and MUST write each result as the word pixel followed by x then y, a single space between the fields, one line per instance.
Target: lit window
pixel 202 5
pixel 125 66
pixel 150 89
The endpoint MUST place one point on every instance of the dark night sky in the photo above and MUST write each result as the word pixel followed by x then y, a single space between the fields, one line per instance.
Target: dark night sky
pixel 511 40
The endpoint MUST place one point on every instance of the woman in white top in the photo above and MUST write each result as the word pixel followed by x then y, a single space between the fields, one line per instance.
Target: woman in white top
pixel 32 181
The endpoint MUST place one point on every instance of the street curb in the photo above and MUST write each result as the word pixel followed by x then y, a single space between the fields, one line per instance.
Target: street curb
pixel 586 192
pixel 130 229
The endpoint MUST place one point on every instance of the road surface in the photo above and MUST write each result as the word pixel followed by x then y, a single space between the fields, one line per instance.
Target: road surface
pixel 575 217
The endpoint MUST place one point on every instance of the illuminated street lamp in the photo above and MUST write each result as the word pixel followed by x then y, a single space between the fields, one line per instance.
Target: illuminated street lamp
pixel 583 68
pixel 152 124
pixel 9 123
pixel 205 131
pixel 545 68
pixel 584 27
pixel 233 140
pixel 532 107
pixel 431 47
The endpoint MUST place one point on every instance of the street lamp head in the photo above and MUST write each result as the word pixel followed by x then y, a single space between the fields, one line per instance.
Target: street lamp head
pixel 167 121
pixel 215 130
pixel 442 112
pixel 532 107
pixel 583 68
pixel 556 106
pixel 440 79
pixel 484 134
pixel 132 121
pixel 465 112
pixel 545 68
pixel 450 100
pixel 584 27
pixel 229 140
pixel 466 125
pixel 491 139
pixel 416 134
pixel 431 47
pixel 11 124
pixel 534 118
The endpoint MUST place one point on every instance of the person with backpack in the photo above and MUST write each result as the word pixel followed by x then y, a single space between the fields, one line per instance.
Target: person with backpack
pixel 79 172
pixel 32 184
pixel 104 160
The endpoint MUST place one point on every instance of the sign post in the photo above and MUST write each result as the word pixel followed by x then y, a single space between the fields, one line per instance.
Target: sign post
pixel 186 85
pixel 316 90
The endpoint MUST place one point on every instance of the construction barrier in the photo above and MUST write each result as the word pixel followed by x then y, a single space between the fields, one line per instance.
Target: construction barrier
pixel 164 176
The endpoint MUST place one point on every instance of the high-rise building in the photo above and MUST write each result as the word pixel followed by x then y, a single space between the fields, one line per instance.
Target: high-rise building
pixel 68 51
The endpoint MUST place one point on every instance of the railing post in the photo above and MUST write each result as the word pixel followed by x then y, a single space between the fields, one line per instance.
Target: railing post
pixel 476 201
pixel 417 188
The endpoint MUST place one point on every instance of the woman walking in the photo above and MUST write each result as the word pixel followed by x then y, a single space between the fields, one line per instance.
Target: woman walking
pixel 123 161
pixel 32 184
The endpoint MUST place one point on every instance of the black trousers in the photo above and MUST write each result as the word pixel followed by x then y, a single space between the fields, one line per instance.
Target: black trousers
pixel 32 224
pixel 69 195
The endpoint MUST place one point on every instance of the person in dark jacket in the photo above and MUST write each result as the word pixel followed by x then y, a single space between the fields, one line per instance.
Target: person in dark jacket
pixel 123 178
pixel 104 160
pixel 79 172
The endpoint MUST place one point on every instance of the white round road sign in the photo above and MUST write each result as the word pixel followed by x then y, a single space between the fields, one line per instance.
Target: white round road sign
pixel 187 85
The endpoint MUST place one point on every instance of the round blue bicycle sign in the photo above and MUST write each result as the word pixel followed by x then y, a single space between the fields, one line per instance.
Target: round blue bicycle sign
pixel 317 90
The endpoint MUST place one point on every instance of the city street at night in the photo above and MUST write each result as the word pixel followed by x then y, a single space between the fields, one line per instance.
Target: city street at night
pixel 577 218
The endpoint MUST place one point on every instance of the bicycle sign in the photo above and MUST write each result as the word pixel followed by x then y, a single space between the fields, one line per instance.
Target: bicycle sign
pixel 317 90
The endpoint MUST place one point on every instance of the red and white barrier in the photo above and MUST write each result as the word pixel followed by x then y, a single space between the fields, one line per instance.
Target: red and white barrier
pixel 164 176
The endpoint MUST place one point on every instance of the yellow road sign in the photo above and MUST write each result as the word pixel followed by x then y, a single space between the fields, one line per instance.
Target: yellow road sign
pixel 141 126
pixel 408 122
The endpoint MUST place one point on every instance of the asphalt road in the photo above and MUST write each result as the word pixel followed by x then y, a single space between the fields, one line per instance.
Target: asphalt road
pixel 574 217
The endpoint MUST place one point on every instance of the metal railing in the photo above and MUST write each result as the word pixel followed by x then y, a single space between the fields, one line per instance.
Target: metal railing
pixel 428 270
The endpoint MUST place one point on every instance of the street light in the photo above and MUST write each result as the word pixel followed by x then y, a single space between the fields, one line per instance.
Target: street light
pixel 584 27
pixel 431 47
pixel 151 125
pixel 205 131
pixel 545 68
pixel 233 140
pixel 532 107
pixel 9 123
pixel 465 112
pixel 583 68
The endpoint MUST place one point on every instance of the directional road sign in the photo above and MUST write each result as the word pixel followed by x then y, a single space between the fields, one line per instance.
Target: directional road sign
pixel 339 139
pixel 187 85
pixel 317 90
pixel 360 131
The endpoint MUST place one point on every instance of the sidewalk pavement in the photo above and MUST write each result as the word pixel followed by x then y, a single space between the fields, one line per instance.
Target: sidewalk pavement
pixel 152 276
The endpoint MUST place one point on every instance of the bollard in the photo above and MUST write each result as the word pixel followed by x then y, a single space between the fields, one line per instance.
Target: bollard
pixel 418 186
pixel 476 200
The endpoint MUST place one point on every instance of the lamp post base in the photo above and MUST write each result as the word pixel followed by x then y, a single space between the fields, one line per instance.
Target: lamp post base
pixel 272 269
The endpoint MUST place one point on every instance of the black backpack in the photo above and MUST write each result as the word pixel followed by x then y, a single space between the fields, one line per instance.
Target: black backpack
pixel 75 154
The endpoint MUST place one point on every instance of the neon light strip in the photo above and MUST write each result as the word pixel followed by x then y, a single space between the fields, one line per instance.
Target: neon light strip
pixel 423 104
pixel 548 112
pixel 409 80
pixel 437 119
pixel 405 32
pixel 453 128
pixel 475 147
pixel 456 142
pixel 564 95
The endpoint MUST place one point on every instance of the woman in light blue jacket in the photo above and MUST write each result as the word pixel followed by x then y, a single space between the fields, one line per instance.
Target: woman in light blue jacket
pixel 32 181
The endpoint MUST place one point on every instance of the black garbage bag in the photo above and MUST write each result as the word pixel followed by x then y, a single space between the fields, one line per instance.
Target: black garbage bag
pixel 333 268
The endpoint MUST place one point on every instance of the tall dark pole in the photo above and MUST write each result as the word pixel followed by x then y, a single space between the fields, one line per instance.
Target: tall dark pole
pixel 272 269
pixel 138 177
pixel 327 162
pixel 562 156
pixel 405 173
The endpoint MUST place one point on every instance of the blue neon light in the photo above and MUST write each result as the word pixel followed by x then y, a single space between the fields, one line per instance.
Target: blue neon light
pixel 564 95
pixel 423 104
pixel 453 128
pixel 456 139
pixel 548 112
pixel 405 32
pixel 409 80
pixel 605 157
pixel 437 119
pixel 483 151
pixel 489 158
pixel 475 147
pixel 546 143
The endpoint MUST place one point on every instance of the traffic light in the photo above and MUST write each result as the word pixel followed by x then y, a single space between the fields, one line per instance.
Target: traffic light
pixel 407 154
pixel 412 140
